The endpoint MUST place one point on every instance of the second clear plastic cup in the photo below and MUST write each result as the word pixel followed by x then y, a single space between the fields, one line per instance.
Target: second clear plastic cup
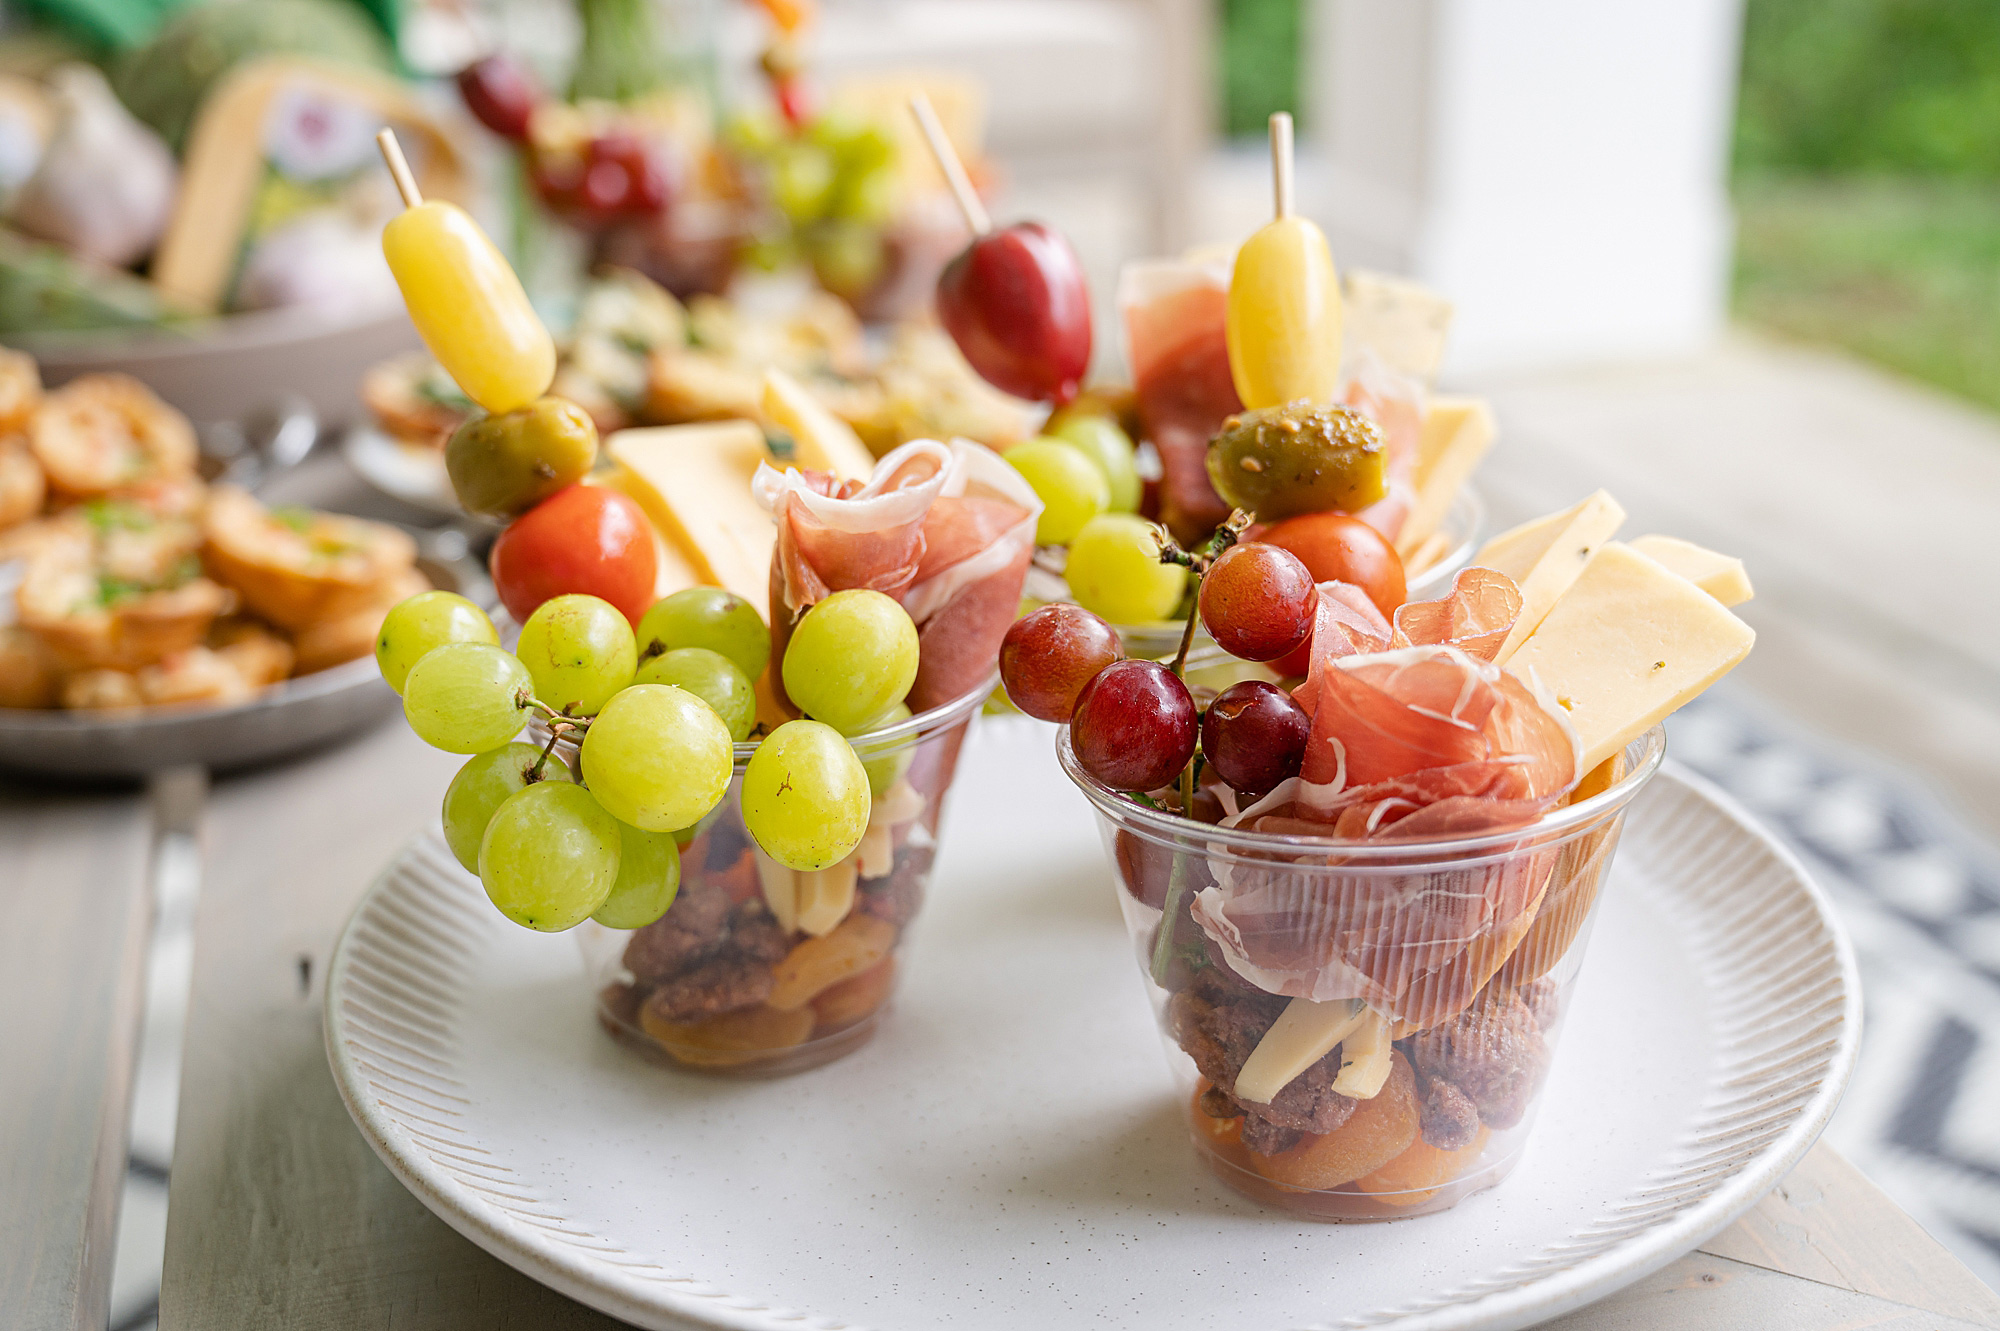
pixel 757 970
pixel 1464 951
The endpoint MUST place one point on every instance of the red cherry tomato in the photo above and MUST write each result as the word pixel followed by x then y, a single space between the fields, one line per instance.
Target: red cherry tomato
pixel 1336 546
pixel 584 539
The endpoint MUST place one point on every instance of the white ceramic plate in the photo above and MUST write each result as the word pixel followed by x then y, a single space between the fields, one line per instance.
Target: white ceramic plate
pixel 1007 1153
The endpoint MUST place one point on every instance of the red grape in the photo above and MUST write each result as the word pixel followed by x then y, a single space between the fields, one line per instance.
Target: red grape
pixel 1047 657
pixel 1254 736
pixel 1016 303
pixel 1258 601
pixel 1134 726
pixel 501 94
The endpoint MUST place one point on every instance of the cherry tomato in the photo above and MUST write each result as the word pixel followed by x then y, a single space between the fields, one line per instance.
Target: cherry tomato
pixel 1336 546
pixel 584 539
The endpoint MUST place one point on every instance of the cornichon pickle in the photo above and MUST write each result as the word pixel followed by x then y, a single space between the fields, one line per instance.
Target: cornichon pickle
pixel 506 464
pixel 1298 458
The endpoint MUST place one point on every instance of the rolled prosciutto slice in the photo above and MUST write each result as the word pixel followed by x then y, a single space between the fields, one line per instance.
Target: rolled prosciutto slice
pixel 946 529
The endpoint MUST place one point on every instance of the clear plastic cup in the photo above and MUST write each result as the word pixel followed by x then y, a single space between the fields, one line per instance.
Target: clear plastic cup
pixel 1468 950
pixel 1463 529
pixel 759 971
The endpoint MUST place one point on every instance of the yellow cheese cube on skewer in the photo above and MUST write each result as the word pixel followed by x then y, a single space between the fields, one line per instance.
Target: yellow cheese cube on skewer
pixel 1721 576
pixel 1627 644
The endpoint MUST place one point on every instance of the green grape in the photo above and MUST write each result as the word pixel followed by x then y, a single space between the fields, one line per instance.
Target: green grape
pixel 429 619
pixel 885 765
pixel 851 658
pixel 1071 488
pixel 466 697
pixel 708 617
pixel 658 757
pixel 868 193
pixel 649 874
pixel 482 785
pixel 550 856
pixel 579 650
pixel 1114 571
pixel 802 181
pixel 1110 448
pixel 847 256
pixel 805 796
pixel 754 134
pixel 711 677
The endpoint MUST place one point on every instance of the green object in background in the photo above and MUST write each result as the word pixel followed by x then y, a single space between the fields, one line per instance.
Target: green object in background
pixel 620 58
pixel 43 289
pixel 1876 86
pixel 1260 61
pixel 163 82
pixel 1904 272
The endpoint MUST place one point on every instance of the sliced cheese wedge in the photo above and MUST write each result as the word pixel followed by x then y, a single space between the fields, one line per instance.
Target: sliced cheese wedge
pixel 1364 1059
pixel 1628 643
pixel 1456 434
pixel 694 483
pixel 823 440
pixel 825 897
pixel 1549 574
pixel 1304 1033
pixel 1721 576
pixel 1403 322
pixel 780 886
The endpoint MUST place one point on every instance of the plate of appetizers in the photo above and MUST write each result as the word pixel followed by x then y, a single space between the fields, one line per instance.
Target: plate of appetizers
pixel 1009 1151
pixel 1359 841
pixel 149 618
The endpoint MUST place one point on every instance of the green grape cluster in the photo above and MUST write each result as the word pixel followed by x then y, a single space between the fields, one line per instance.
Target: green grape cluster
pixel 654 718
pixel 834 186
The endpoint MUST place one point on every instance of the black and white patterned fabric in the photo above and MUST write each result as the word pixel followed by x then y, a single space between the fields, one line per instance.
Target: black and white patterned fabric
pixel 1920 893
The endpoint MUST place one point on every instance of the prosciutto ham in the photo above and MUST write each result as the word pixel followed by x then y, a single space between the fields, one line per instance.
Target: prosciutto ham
pixel 946 529
pixel 1425 741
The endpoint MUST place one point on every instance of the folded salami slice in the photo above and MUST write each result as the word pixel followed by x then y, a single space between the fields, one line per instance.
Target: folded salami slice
pixel 945 529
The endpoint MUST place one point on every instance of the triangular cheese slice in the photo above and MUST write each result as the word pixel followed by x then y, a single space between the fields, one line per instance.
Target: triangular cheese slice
pixel 823 441
pixel 1545 573
pixel 1456 434
pixel 1626 645
pixel 694 483
pixel 1721 576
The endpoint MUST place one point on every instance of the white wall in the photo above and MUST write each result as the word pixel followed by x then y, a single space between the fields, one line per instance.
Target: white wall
pixel 1557 167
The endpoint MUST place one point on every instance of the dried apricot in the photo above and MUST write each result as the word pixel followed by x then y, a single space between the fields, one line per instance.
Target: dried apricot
pixel 1377 1132
pixel 730 1039
pixel 817 964
pixel 1418 1173
pixel 855 999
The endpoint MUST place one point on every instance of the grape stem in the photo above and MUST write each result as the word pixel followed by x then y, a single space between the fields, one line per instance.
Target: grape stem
pixel 555 733
pixel 1197 561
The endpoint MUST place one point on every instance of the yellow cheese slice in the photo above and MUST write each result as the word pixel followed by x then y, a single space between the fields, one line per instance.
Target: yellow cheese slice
pixel 825 897
pixel 694 483
pixel 1627 644
pixel 823 441
pixel 1401 321
pixel 1721 576
pixel 1364 1059
pixel 1570 545
pixel 1302 1035
pixel 780 886
pixel 1457 432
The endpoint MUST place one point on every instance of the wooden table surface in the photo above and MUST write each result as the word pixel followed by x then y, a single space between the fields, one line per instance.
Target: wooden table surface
pixel 280 1215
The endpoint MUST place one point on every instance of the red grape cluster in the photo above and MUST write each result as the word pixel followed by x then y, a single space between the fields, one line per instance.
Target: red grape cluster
pixel 1134 725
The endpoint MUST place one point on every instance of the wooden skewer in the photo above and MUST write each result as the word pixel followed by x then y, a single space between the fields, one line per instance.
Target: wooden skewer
pixel 399 167
pixel 1281 162
pixel 954 170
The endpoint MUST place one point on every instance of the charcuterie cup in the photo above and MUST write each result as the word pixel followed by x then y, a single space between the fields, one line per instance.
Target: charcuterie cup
pixel 1358 1030
pixel 758 970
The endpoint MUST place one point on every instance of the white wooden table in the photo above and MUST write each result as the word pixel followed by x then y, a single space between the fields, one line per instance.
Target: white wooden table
pixel 280 1216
